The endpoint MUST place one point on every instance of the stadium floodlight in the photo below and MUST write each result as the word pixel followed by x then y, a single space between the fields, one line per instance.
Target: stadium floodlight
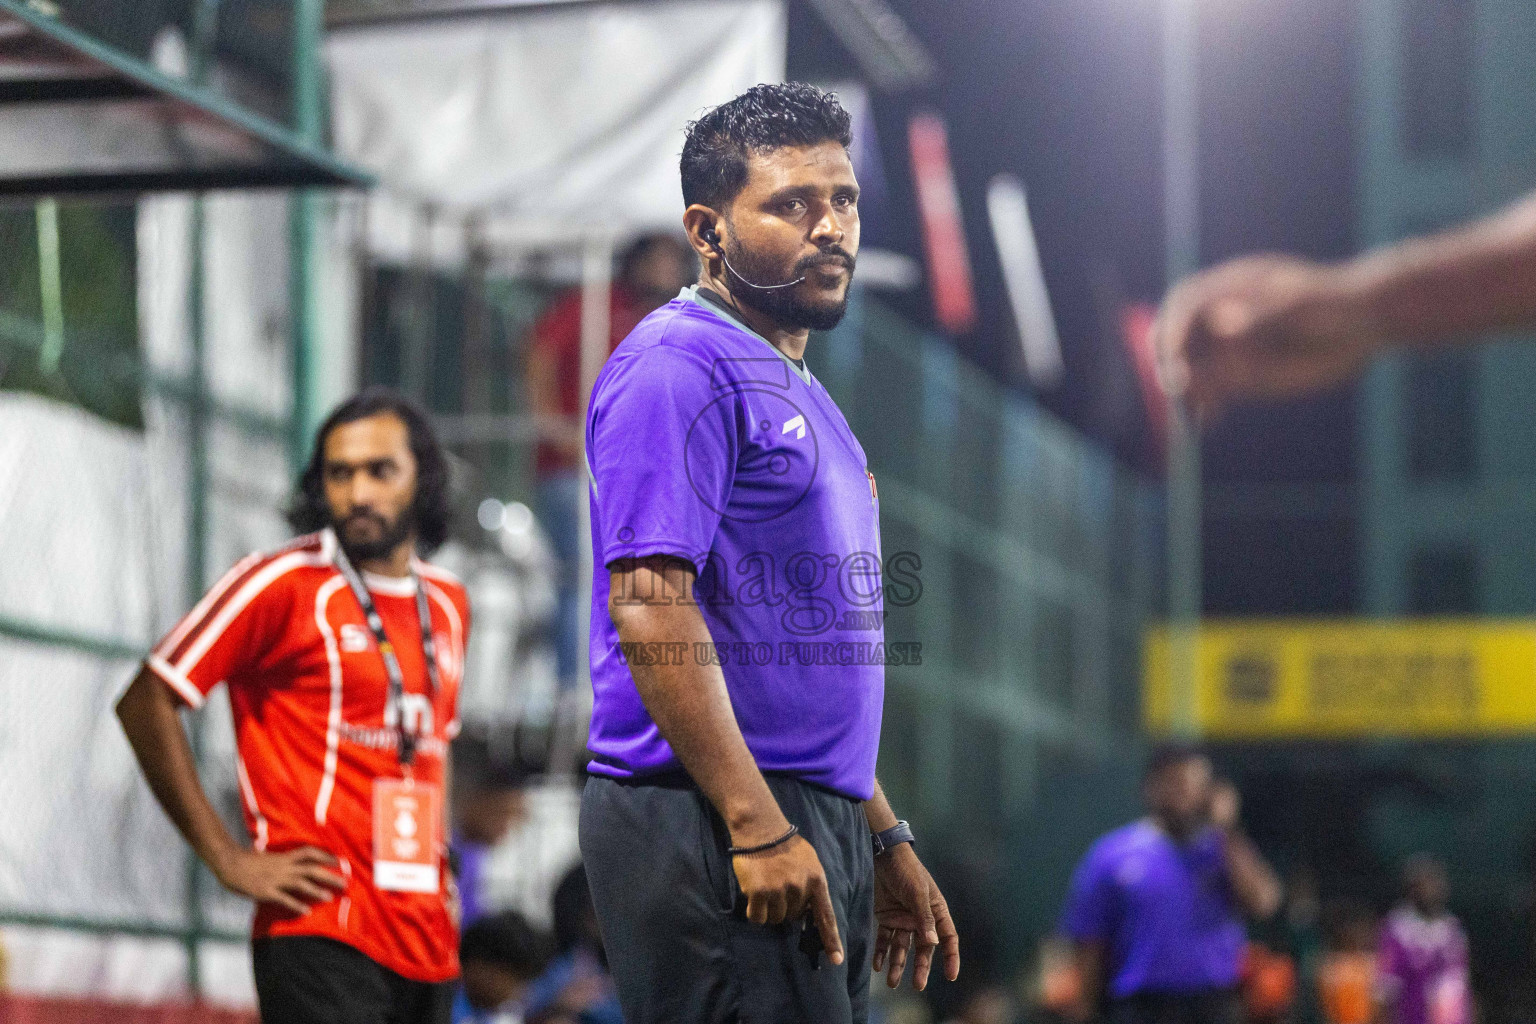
pixel 1019 257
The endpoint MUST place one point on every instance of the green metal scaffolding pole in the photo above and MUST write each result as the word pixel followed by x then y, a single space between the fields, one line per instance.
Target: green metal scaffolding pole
pixel 204 31
pixel 303 295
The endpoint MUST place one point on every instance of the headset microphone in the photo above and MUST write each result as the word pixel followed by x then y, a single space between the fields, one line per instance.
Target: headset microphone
pixel 713 238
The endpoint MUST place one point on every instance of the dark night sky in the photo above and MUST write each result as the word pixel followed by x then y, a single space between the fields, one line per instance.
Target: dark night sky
pixel 1068 97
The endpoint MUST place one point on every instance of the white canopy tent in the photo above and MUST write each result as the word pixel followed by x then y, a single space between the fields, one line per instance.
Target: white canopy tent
pixel 537 125
pixel 547 123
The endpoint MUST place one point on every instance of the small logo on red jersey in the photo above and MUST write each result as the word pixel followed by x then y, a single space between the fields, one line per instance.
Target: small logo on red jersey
pixel 354 638
pixel 418 714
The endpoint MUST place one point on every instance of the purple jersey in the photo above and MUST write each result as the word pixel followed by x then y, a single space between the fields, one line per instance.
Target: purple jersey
pixel 1422 968
pixel 1163 912
pixel 706 442
pixel 472 861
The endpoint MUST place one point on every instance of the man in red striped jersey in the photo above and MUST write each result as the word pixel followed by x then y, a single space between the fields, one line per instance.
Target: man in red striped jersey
pixel 343 652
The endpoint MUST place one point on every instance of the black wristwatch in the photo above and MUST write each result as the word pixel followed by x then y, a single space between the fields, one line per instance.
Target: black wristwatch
pixel 897 834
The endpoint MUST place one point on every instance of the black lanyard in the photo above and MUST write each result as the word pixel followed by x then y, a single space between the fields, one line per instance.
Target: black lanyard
pixel 387 649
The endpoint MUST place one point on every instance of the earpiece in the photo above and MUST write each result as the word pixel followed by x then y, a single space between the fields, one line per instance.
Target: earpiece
pixel 712 236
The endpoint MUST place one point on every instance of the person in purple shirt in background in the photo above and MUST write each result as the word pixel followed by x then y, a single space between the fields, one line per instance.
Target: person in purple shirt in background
pixel 1156 908
pixel 488 802
pixel 1422 972
pixel 742 860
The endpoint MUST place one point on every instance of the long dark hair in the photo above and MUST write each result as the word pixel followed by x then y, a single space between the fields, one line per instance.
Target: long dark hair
pixel 309 512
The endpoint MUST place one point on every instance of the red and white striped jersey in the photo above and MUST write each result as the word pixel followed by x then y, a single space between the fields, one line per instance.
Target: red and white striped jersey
pixel 309 691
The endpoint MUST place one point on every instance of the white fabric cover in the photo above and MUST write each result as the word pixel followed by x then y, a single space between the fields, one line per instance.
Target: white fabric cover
pixel 550 122
pixel 93 537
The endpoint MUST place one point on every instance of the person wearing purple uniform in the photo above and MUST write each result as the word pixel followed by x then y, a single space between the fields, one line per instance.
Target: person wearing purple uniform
pixel 1422 954
pixel 742 859
pixel 1155 908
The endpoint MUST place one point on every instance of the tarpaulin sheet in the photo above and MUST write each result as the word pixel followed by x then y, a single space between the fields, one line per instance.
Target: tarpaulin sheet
pixel 563 119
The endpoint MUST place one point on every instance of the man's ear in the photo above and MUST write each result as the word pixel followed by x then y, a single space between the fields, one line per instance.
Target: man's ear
pixel 705 229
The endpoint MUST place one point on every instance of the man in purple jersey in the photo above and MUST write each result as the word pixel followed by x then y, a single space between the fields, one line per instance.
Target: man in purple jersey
pixel 1155 907
pixel 1422 953
pixel 735 839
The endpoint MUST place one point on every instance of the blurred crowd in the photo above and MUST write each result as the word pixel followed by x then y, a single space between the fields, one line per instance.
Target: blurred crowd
pixel 1339 963
pixel 1177 919
pixel 1195 951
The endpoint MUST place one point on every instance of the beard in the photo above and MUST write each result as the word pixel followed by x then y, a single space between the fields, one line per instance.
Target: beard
pixel 783 304
pixel 388 536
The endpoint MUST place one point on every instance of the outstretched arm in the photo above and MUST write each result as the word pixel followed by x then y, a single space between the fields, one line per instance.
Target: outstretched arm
pixel 1275 326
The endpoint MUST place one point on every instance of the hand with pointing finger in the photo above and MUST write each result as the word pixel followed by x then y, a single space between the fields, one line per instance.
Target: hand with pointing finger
pixel 786 883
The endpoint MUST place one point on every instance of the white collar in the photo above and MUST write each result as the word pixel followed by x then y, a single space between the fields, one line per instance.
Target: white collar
pixel 392 586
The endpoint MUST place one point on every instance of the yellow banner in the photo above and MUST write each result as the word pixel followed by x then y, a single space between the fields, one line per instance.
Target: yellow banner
pixel 1304 679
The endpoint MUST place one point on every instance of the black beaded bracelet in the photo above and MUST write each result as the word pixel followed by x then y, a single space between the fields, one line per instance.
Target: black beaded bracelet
pixel 737 851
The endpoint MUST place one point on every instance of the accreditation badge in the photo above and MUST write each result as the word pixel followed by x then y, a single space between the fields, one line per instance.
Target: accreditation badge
pixel 407 821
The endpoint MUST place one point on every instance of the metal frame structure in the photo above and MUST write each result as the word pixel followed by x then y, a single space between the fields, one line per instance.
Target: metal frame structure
pixel 47 62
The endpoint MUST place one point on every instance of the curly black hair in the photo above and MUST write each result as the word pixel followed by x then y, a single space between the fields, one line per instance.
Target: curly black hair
pixel 309 512
pixel 765 117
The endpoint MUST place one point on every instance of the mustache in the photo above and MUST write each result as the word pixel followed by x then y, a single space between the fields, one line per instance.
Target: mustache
pixel 832 257
pixel 365 514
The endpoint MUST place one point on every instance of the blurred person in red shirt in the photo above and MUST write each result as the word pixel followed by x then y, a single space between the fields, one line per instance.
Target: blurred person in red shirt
pixel 1059 984
pixel 1267 980
pixel 651 271
pixel 1346 978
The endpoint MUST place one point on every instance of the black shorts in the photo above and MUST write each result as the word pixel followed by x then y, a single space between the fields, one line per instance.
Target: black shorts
pixel 673 918
pixel 1214 1006
pixel 304 979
